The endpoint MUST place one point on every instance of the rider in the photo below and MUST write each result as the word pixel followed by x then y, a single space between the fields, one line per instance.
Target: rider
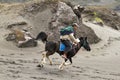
pixel 67 38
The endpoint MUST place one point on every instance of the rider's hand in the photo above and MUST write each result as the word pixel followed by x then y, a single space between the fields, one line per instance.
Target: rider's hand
pixel 75 43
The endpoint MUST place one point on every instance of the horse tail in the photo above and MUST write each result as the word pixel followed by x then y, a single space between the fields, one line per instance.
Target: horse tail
pixel 42 36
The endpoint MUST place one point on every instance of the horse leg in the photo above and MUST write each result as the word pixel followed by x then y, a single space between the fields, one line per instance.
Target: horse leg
pixel 62 64
pixel 47 56
pixel 70 59
pixel 43 60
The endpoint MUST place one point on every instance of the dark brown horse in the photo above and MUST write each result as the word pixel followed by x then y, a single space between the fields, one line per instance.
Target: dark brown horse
pixel 52 47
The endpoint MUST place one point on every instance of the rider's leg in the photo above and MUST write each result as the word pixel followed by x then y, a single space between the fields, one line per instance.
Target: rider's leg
pixel 68 45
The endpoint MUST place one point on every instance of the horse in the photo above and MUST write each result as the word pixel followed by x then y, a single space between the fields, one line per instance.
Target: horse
pixel 51 47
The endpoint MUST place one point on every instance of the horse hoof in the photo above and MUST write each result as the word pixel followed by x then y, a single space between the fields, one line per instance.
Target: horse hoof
pixel 60 68
pixel 39 65
pixel 67 64
pixel 51 64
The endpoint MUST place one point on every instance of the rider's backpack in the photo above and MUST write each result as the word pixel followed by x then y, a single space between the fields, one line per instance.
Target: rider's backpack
pixel 66 30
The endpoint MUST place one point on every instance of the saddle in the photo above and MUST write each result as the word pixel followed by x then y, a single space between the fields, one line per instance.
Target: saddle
pixel 62 46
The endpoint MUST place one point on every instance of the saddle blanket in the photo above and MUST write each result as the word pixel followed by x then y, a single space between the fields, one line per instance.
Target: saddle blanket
pixel 62 47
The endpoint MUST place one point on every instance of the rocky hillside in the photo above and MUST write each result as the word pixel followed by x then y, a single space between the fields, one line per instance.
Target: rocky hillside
pixel 12 1
pixel 101 63
pixel 40 15
pixel 108 16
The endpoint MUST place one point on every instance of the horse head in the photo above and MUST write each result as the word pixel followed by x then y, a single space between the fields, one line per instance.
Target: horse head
pixel 84 43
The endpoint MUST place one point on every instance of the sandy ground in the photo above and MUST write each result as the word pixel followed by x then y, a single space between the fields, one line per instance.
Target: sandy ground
pixel 102 63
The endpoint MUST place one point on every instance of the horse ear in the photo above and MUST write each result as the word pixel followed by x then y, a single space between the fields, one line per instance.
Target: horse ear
pixel 81 38
pixel 85 38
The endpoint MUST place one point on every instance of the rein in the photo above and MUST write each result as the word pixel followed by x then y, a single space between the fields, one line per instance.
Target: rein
pixel 78 46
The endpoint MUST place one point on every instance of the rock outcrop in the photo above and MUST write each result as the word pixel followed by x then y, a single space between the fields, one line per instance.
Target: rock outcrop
pixel 60 15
